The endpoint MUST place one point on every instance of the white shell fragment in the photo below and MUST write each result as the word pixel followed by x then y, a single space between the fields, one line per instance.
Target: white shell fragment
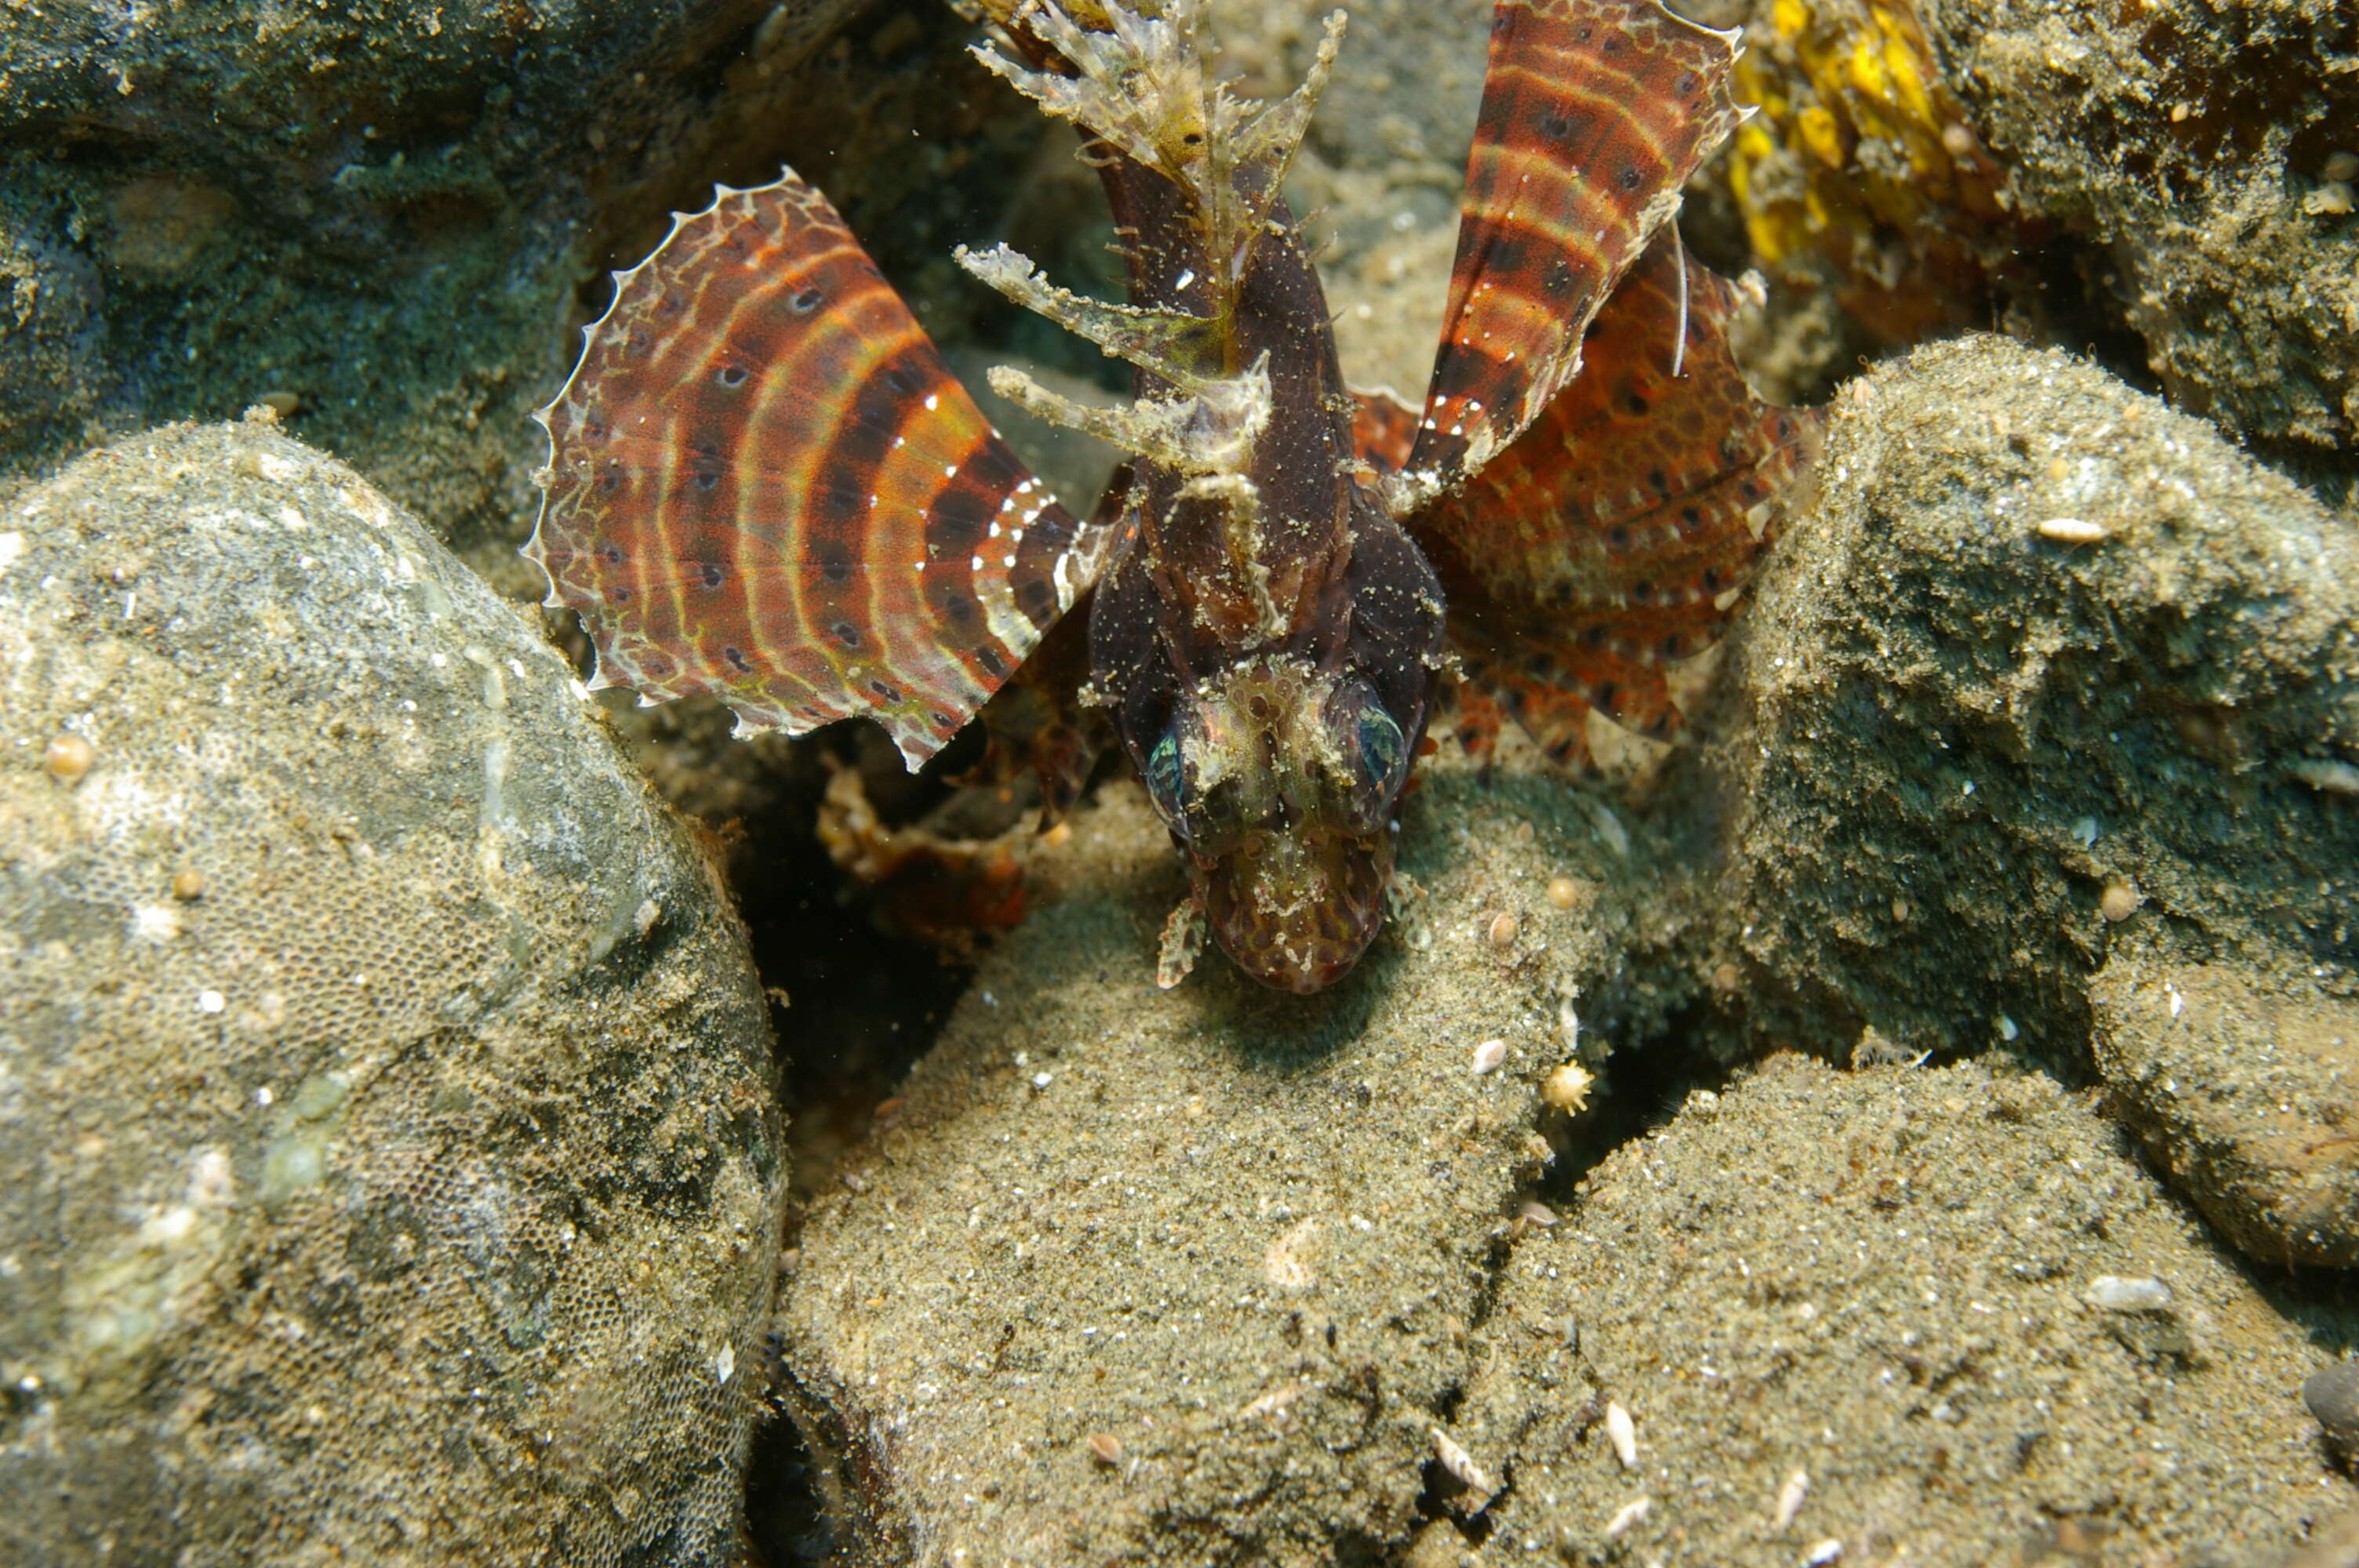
pixel 1633 1512
pixel 1789 1500
pixel 1461 1464
pixel 2113 1293
pixel 1489 1056
pixel 2073 531
pixel 1623 1433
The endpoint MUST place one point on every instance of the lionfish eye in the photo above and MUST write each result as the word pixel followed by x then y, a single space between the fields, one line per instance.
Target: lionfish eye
pixel 1166 776
pixel 1382 749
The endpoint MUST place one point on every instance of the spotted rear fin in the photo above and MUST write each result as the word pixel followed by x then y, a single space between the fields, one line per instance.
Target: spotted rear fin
pixel 1595 112
pixel 1617 534
pixel 764 483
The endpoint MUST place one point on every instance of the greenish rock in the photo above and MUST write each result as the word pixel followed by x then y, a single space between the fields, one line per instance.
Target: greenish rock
pixel 384 1082
pixel 2045 667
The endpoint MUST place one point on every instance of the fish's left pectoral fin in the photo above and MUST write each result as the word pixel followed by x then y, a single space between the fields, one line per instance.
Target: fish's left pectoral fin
pixel 1617 535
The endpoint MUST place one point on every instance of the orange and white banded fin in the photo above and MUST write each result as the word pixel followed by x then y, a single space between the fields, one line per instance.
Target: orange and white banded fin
pixel 764 483
pixel 1616 535
pixel 1594 114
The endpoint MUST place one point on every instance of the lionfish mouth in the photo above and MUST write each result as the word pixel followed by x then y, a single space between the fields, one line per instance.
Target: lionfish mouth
pixel 1296 911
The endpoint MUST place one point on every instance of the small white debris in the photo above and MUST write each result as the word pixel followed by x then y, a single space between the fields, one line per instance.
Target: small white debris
pixel 645 919
pixel 1489 1056
pixel 726 1362
pixel 2085 830
pixel 1789 1500
pixel 2334 778
pixel 2007 1028
pixel 2073 531
pixel 1042 1080
pixel 1461 1463
pixel 2178 998
pixel 2112 1293
pixel 1534 1212
pixel 211 1001
pixel 1623 1433
pixel 1633 1512
pixel 1824 1552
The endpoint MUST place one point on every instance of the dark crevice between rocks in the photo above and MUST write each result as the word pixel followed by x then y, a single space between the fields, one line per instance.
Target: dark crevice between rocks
pixel 1642 1086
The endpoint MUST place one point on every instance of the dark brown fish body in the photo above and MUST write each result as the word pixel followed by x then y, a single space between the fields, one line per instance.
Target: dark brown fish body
pixel 1267 623
pixel 1272 696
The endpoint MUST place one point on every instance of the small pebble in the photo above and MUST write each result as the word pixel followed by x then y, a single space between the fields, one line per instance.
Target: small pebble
pixel 2120 901
pixel 1633 1512
pixel 1489 1055
pixel 1563 892
pixel 1106 1449
pixel 2113 1293
pixel 187 883
pixel 1567 1088
pixel 1824 1552
pixel 2332 1396
pixel 280 402
pixel 2341 166
pixel 68 757
pixel 1503 930
pixel 1789 1500
pixel 1624 1434
pixel 1540 1214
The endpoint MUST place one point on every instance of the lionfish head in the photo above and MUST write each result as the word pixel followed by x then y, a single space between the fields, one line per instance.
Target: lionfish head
pixel 1278 779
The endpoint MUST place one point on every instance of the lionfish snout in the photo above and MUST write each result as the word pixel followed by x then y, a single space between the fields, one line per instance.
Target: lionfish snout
pixel 1297 907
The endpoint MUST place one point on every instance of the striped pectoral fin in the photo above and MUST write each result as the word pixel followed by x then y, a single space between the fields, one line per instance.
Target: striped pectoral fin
pixel 765 484
pixel 1616 535
pixel 1595 112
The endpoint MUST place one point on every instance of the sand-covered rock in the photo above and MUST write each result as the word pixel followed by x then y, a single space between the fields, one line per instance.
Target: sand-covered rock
pixel 385 1090
pixel 1936 1316
pixel 1176 1277
pixel 2047 668
pixel 2244 1084
pixel 2209 154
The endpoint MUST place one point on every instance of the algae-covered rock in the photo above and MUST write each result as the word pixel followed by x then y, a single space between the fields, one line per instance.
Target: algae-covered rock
pixel 1141 1276
pixel 377 214
pixel 2207 151
pixel 2047 666
pixel 1935 1316
pixel 383 1086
